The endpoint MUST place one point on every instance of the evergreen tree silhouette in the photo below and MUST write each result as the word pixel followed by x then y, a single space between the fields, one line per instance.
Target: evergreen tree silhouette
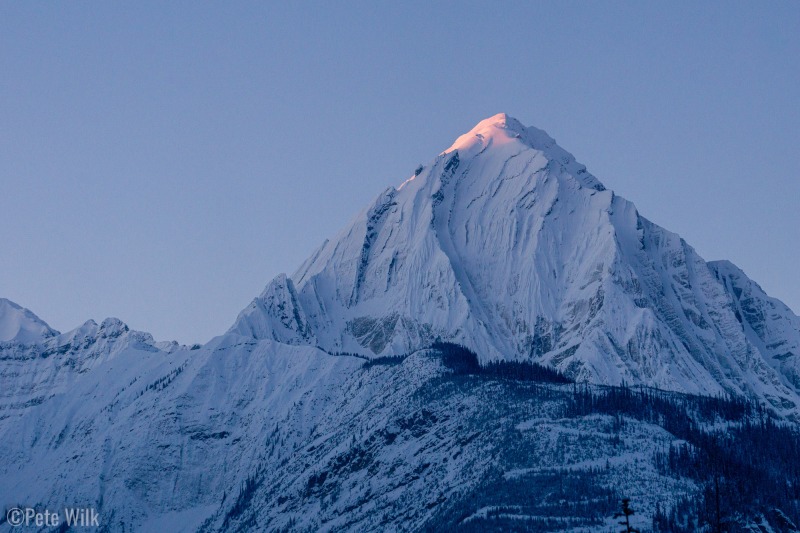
pixel 626 513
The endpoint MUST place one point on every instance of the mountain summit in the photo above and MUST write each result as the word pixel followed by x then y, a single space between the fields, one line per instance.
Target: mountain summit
pixel 506 244
pixel 19 325
pixel 502 128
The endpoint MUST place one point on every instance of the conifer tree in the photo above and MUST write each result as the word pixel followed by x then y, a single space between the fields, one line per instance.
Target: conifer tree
pixel 626 513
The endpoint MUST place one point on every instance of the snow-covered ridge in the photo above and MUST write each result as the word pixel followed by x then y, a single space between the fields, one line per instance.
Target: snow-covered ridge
pixel 48 365
pixel 18 324
pixel 505 243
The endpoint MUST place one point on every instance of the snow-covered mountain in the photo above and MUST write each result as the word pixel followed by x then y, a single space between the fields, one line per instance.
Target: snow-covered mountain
pixel 20 325
pixel 327 405
pixel 504 243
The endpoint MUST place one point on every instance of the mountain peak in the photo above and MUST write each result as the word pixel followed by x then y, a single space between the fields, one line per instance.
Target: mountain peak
pixel 500 128
pixel 502 121
pixel 18 324
pixel 506 132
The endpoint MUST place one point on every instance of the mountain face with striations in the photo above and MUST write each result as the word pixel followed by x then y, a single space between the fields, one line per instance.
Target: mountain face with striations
pixel 383 385
pixel 507 245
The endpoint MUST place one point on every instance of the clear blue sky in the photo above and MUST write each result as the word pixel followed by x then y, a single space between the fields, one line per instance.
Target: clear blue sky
pixel 161 162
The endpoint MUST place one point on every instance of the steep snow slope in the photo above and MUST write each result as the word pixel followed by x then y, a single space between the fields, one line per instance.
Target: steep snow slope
pixel 17 324
pixel 506 244
pixel 767 322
